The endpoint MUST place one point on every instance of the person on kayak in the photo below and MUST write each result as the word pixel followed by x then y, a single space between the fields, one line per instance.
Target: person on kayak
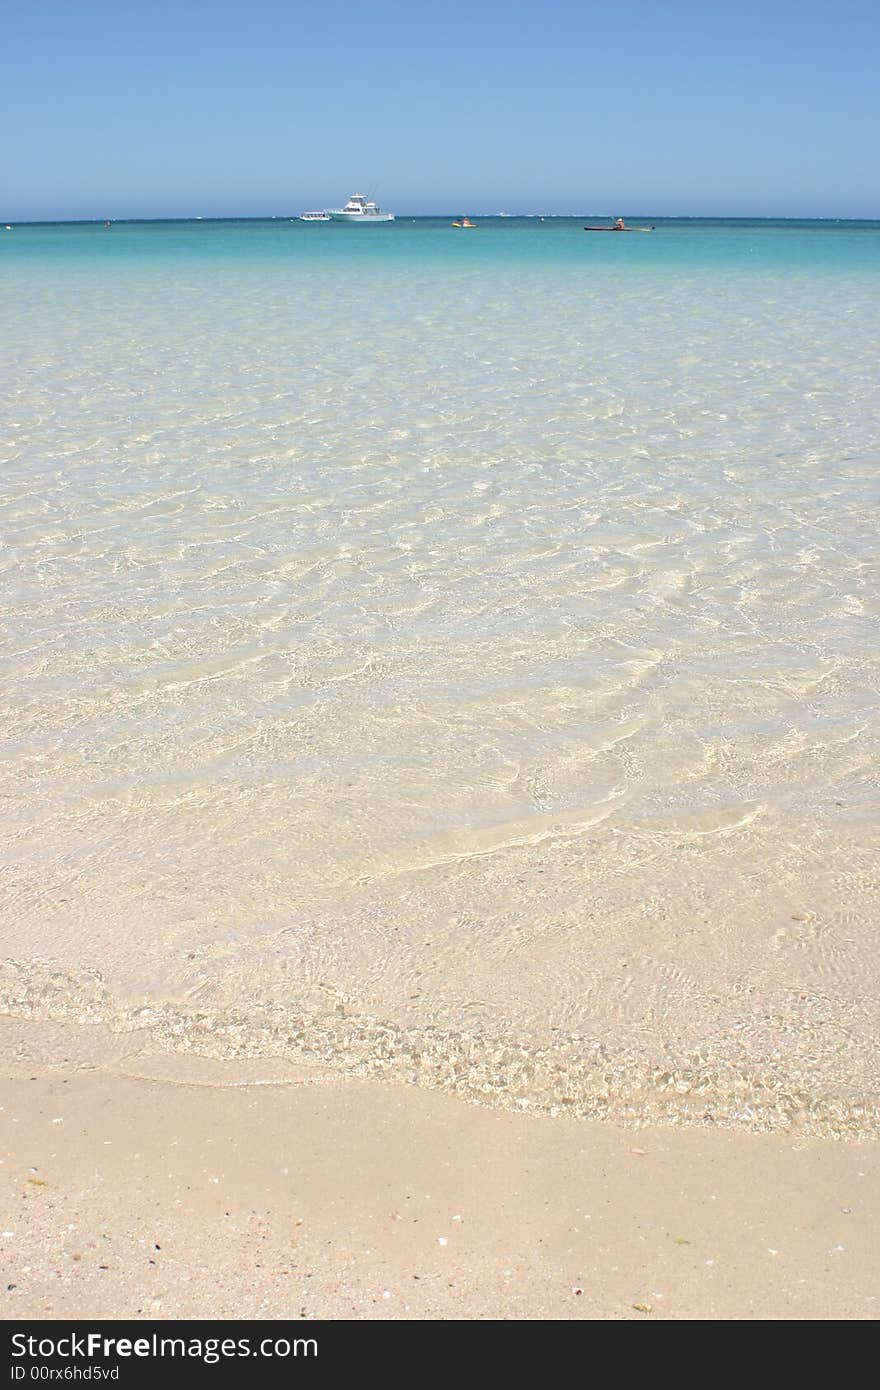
pixel 619 224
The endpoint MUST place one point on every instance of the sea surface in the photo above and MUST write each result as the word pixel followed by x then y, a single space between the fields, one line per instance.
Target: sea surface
pixel 449 656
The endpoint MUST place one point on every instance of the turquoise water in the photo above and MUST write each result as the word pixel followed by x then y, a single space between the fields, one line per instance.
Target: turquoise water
pixel 820 245
pixel 450 655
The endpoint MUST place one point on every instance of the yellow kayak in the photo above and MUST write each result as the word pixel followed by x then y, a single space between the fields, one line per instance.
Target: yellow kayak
pixel 465 222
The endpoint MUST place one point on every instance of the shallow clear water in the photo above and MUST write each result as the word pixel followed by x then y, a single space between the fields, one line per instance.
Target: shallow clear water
pixel 450 655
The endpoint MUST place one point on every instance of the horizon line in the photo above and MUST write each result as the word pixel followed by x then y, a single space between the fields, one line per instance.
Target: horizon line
pixel 453 212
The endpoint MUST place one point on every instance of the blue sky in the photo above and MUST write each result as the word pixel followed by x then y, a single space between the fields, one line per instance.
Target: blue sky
pixel 187 108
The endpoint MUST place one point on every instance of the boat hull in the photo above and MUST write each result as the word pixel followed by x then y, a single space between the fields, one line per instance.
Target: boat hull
pixel 360 218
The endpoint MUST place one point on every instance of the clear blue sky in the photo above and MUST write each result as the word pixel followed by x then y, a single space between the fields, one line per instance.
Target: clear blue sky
pixel 176 109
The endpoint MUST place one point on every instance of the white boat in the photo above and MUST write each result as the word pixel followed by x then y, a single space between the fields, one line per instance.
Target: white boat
pixel 359 209
pixel 314 217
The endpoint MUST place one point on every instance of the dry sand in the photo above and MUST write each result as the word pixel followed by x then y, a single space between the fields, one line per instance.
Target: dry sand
pixel 314 1197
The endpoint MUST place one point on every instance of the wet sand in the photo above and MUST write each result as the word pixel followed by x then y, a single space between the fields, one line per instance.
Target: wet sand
pixel 312 1197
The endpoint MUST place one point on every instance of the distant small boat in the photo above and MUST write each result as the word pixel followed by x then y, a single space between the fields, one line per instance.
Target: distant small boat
pixel 618 228
pixel 360 210
pixel 465 222
pixel 314 217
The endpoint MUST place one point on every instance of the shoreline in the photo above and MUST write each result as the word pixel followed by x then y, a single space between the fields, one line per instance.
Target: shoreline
pixel 758 1088
pixel 316 1197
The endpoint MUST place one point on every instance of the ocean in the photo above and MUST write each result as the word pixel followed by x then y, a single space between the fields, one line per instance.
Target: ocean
pixel 449 656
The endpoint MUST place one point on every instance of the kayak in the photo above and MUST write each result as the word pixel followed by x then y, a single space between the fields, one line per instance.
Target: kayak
pixel 618 229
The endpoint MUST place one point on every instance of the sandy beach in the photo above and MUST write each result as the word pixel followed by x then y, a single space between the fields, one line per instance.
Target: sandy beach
pixel 138 1195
